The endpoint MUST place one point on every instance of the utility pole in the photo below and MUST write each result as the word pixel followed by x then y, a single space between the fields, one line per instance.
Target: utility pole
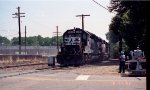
pixel 57 38
pixel 120 42
pixel 82 19
pixel 18 15
pixel 25 40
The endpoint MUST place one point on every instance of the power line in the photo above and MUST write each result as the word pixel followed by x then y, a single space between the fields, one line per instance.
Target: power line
pixel 101 6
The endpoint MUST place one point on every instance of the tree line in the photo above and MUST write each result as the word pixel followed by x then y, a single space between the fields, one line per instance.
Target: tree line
pixel 32 41
pixel 128 25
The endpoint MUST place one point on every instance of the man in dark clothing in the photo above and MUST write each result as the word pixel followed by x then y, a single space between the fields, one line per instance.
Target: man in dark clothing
pixel 122 63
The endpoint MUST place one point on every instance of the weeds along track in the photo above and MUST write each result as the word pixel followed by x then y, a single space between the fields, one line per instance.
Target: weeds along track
pixel 11 66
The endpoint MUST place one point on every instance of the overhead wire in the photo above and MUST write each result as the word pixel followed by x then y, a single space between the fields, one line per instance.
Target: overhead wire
pixel 101 6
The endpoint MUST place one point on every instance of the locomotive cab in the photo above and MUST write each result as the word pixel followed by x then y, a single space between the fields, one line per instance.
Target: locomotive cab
pixel 72 49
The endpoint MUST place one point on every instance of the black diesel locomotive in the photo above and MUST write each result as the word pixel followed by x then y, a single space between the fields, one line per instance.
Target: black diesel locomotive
pixel 80 46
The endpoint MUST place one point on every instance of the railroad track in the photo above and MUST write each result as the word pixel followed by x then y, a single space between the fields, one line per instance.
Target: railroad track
pixel 56 66
pixel 11 66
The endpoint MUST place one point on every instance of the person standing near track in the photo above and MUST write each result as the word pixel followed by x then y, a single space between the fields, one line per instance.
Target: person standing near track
pixel 122 63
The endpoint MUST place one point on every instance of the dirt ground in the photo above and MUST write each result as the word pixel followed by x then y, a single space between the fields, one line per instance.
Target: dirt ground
pixel 98 68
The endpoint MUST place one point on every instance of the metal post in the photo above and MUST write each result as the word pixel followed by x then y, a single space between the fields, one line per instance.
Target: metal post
pixel 120 42
pixel 25 41
pixel 57 39
pixel 82 22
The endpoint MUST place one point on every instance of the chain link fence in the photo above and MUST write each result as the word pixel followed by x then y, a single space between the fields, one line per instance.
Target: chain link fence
pixel 28 50
pixel 9 55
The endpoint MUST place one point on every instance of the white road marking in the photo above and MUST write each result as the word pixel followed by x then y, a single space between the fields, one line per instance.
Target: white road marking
pixel 82 77
pixel 114 83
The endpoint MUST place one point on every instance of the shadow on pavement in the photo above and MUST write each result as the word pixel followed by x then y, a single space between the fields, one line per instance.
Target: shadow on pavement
pixel 104 63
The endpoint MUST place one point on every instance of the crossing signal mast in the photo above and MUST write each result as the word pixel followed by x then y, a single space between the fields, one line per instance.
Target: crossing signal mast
pixel 18 15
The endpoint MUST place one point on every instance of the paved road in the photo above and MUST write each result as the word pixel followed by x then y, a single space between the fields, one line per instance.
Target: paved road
pixel 66 80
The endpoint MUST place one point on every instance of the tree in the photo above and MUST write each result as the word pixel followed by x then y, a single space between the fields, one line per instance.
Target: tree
pixel 47 41
pixel 37 41
pixel 135 17
pixel 130 21
pixel 4 41
pixel 114 44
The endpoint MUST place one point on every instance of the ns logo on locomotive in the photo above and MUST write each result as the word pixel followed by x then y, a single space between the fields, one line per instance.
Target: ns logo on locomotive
pixel 80 47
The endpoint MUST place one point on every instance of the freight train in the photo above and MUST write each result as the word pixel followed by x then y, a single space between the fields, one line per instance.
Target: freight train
pixel 80 47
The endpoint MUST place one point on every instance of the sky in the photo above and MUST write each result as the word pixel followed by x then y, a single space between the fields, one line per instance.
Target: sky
pixel 42 17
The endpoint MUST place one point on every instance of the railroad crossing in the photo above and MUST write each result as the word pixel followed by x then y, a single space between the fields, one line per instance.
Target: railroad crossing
pixel 55 80
pixel 87 77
